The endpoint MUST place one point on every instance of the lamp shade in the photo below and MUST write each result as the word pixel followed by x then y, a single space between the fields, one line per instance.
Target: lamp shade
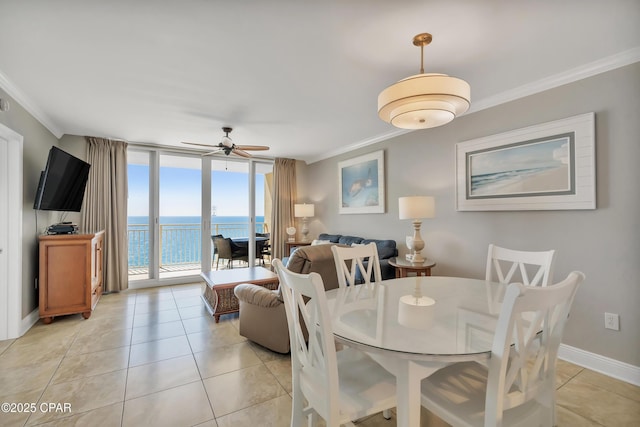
pixel 424 101
pixel 416 207
pixel 303 210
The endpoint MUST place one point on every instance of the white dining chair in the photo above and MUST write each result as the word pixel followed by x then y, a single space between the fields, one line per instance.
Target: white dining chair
pixel 518 387
pixel 503 264
pixel 338 386
pixel 351 260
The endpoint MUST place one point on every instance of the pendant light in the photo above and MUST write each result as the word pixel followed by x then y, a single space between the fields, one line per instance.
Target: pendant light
pixel 424 100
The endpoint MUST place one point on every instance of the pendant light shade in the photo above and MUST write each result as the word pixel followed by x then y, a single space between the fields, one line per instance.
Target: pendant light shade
pixel 424 100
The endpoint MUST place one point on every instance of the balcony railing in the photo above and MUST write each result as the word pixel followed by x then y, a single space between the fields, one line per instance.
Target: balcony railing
pixel 179 243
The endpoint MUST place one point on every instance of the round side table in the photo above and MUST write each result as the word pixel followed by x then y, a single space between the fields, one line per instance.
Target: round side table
pixel 403 266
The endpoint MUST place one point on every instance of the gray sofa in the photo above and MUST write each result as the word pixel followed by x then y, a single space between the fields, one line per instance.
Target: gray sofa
pixel 386 249
pixel 262 315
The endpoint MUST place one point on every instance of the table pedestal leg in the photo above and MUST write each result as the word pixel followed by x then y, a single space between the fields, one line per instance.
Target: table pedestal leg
pixel 408 391
pixel 409 375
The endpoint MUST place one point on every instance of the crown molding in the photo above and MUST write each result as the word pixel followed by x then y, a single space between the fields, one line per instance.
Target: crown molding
pixel 603 65
pixel 600 66
pixel 24 101
pixel 361 144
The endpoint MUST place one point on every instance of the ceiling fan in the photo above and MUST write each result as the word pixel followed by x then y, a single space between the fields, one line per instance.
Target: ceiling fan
pixel 227 146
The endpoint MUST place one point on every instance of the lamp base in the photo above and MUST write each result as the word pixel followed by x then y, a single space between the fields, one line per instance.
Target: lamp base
pixel 415 258
pixel 416 312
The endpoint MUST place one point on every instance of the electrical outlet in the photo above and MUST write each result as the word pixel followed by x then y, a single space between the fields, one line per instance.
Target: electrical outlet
pixel 612 321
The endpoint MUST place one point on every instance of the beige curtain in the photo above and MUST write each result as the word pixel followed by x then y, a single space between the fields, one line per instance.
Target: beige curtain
pixel 105 206
pixel 284 196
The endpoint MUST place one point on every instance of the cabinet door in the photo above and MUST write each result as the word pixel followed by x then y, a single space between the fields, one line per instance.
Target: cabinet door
pixel 66 272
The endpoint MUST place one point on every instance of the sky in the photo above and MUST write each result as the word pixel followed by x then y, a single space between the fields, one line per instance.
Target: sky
pixel 539 155
pixel 180 191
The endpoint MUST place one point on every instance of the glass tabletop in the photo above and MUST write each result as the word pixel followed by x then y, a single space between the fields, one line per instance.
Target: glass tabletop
pixel 458 326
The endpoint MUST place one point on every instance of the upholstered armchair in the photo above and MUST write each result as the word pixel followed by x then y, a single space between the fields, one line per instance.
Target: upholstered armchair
pixel 262 315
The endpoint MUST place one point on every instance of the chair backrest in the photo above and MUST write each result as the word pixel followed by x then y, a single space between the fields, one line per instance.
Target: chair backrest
pixel 534 319
pixel 351 260
pixel 313 362
pixel 503 264
pixel 222 246
pixel 213 240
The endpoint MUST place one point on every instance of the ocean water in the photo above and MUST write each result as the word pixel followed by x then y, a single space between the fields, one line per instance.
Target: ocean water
pixel 487 183
pixel 180 237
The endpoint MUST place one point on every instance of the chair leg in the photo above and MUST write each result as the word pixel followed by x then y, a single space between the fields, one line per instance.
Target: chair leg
pixel 297 411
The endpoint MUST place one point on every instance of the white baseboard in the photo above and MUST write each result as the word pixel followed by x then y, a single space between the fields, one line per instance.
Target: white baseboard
pixel 29 321
pixel 605 365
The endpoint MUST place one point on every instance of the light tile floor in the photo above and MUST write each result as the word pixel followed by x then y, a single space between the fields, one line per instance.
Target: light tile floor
pixel 156 358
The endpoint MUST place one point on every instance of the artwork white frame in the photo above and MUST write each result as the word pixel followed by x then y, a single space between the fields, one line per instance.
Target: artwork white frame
pixel 361 184
pixel 567 181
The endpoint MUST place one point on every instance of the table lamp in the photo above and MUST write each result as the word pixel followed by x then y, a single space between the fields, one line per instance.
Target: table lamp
pixel 416 208
pixel 304 211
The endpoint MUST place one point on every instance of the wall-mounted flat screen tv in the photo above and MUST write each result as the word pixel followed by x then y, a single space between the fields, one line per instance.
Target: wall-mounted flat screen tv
pixel 62 182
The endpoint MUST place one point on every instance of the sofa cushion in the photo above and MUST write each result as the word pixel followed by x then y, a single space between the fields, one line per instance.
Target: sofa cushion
pixel 320 242
pixel 349 240
pixel 333 238
pixel 386 248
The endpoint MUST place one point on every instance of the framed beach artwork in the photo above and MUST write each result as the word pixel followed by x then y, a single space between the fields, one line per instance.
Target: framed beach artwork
pixel 547 166
pixel 361 184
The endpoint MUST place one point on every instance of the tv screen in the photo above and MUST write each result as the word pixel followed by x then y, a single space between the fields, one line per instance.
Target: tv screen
pixel 62 183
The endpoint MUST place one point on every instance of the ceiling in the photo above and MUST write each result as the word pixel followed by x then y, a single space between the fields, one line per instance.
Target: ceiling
pixel 299 76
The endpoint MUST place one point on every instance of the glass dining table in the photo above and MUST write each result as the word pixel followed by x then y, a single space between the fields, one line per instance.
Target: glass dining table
pixel 414 326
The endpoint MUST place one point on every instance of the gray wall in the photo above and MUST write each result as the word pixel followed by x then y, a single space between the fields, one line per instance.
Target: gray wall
pixel 603 243
pixel 36 144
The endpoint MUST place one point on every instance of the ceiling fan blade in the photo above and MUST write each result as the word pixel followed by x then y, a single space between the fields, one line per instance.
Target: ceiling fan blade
pixel 201 145
pixel 240 152
pixel 252 147
pixel 213 152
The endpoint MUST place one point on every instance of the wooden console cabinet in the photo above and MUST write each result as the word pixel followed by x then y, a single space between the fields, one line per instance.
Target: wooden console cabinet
pixel 70 274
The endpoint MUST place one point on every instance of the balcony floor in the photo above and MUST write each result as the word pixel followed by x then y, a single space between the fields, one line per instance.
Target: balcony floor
pixel 179 270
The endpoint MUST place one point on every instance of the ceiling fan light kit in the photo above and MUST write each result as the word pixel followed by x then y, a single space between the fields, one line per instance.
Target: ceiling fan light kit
pixel 424 100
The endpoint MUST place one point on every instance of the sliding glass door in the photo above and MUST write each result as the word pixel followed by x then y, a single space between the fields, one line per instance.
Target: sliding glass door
pixel 240 203
pixel 139 228
pixel 179 219
pixel 178 201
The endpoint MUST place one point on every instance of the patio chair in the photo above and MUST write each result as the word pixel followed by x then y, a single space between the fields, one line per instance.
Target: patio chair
pixel 264 247
pixel 215 250
pixel 226 249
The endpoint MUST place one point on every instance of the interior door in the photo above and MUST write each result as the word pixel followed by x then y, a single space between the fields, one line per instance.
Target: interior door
pixel 10 233
pixel 4 211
